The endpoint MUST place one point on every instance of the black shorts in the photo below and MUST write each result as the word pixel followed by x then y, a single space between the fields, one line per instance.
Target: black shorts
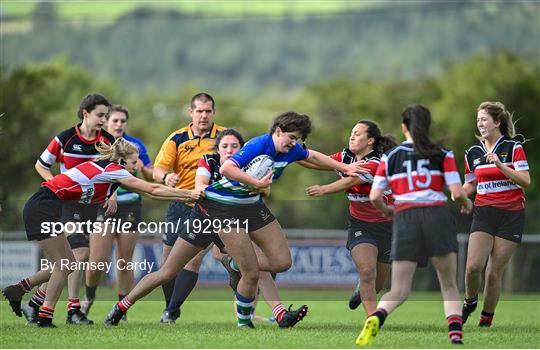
pixel 40 213
pixel 177 213
pixel 250 217
pixel 199 229
pixel 420 233
pixel 75 212
pixel 378 234
pixel 506 224
pixel 126 212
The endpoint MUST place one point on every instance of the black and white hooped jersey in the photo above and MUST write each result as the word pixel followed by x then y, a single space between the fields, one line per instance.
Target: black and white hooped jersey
pixel 493 188
pixel 415 180
pixel 70 148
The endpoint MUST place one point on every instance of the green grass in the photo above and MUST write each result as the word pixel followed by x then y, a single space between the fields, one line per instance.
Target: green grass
pixel 113 9
pixel 419 323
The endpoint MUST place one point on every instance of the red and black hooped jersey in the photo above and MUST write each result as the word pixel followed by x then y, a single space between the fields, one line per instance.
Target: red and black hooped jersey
pixel 89 182
pixel 70 148
pixel 209 165
pixel 415 180
pixel 493 187
pixel 359 205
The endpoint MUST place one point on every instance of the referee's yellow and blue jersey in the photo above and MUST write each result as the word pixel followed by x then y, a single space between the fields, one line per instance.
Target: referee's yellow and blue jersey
pixel 182 150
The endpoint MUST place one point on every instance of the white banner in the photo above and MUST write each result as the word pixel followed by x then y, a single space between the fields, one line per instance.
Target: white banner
pixel 17 261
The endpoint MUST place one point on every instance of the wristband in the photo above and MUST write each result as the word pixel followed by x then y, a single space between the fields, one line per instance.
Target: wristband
pixel 164 177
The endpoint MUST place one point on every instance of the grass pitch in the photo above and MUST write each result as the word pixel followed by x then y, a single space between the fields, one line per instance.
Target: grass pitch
pixel 207 321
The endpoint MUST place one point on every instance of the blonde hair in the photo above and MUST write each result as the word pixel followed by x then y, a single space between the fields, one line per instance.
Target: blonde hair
pixel 120 149
pixel 499 113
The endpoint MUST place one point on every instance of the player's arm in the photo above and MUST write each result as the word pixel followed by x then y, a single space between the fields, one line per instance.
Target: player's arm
pixel 157 191
pixel 230 170
pixel 325 161
pixel 376 198
pixel 44 172
pixel 164 162
pixel 148 173
pixel 521 178
pixel 201 182
pixel 307 164
pixel 459 195
pixel 339 185
pixel 469 187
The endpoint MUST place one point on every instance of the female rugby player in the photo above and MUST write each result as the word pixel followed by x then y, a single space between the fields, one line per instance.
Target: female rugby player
pixel 89 182
pixel 417 172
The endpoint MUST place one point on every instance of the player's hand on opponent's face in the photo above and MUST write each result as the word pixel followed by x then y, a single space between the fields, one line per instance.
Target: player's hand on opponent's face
pixel 493 159
pixel 356 168
pixel 315 191
pixel 467 207
pixel 172 180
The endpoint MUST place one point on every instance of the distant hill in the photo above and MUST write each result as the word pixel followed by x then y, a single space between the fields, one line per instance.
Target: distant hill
pixel 152 49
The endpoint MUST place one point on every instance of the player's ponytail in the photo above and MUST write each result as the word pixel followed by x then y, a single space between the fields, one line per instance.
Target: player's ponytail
pixel 120 149
pixel 417 119
pixel 382 143
pixel 499 113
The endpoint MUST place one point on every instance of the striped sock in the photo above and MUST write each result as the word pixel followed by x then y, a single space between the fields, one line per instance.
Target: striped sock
pixel 46 313
pixel 73 304
pixel 25 285
pixel 455 326
pixel 381 314
pixel 278 311
pixel 37 299
pixel 486 318
pixel 244 308
pixel 125 304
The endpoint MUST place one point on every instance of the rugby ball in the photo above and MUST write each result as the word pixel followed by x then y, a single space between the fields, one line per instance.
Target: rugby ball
pixel 259 166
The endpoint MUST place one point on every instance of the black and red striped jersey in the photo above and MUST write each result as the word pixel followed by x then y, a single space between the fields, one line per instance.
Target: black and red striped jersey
pixel 209 165
pixel 493 188
pixel 89 182
pixel 359 205
pixel 70 148
pixel 415 180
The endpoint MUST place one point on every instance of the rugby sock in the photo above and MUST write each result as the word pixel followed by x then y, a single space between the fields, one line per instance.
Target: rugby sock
pixel 183 285
pixel 37 299
pixel 471 301
pixel 455 325
pixel 125 304
pixel 244 308
pixel 486 318
pixel 91 292
pixel 381 314
pixel 121 296
pixel 73 304
pixel 45 315
pixel 168 289
pixel 278 311
pixel 25 285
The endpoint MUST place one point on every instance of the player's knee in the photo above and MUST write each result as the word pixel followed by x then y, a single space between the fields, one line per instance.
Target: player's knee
pixel 473 269
pixel 493 276
pixel 251 276
pixel 367 275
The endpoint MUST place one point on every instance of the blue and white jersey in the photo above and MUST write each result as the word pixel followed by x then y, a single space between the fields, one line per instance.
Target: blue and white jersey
pixel 232 192
pixel 125 196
